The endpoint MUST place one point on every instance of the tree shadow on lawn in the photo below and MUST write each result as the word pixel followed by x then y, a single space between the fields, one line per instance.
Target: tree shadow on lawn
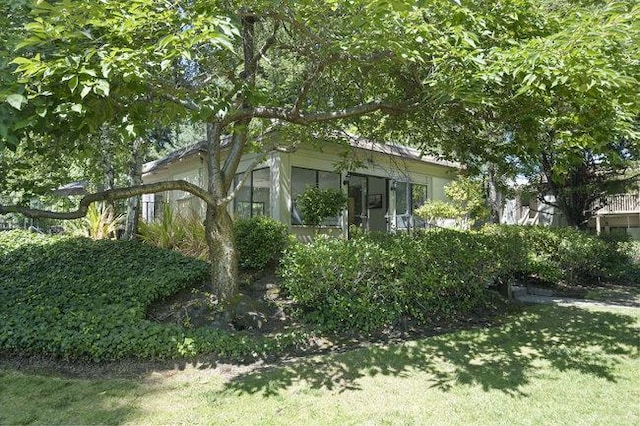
pixel 502 358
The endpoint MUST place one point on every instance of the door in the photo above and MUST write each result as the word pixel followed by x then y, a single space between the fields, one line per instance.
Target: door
pixel 357 201
pixel 368 201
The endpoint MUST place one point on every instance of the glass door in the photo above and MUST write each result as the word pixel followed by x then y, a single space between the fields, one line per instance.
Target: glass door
pixel 357 202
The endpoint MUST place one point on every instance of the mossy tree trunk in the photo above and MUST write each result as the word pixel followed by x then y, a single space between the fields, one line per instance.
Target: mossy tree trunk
pixel 222 253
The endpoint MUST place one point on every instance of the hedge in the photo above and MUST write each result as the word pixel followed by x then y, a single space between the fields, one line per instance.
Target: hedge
pixel 379 280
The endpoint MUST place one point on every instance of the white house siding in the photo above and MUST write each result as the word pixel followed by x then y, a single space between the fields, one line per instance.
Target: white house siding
pixel 384 172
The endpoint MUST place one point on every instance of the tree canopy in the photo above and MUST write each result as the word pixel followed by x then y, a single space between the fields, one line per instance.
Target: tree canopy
pixel 502 81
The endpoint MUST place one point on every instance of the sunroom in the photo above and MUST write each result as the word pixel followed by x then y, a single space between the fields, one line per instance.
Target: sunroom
pixel 384 185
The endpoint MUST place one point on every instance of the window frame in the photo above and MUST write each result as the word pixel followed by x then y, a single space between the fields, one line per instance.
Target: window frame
pixel 252 203
pixel 294 220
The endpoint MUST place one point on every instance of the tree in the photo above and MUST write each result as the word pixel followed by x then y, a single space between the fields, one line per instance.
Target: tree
pixel 243 68
pixel 551 89
pixel 466 204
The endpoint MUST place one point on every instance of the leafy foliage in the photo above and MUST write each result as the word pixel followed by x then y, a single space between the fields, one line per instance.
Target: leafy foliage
pixel 435 210
pixel 184 234
pixel 76 298
pixel 380 280
pixel 317 204
pixel 466 203
pixel 260 242
pixel 376 280
pixel 98 224
pixel 563 254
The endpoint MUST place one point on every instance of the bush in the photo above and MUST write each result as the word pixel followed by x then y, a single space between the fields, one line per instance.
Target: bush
pixel 565 255
pixel 260 242
pixel 75 298
pixel 317 204
pixel 183 234
pixel 378 280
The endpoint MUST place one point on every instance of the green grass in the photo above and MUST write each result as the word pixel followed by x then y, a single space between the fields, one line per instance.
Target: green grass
pixel 620 294
pixel 547 365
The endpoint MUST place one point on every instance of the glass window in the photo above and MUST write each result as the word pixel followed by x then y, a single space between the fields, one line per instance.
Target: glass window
pixel 301 179
pixel 328 180
pixel 261 193
pixel 418 198
pixel 418 195
pixel 401 198
pixel 409 196
pixel 254 198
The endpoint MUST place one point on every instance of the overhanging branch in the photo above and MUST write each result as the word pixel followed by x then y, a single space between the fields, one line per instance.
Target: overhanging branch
pixel 297 117
pixel 112 195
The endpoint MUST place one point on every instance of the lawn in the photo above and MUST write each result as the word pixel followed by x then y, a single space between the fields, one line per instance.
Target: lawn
pixel 546 365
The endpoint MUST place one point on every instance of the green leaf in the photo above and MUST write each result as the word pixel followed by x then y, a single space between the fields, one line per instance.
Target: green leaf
pixel 85 91
pixel 16 100
pixel 165 64
pixel 102 88
pixel 73 83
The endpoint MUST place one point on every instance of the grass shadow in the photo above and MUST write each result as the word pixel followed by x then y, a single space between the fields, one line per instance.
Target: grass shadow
pixel 503 358
pixel 36 399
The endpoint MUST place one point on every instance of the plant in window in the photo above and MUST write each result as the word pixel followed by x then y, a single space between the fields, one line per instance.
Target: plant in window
pixel 317 204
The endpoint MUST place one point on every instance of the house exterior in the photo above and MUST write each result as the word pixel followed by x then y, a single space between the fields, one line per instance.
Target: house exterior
pixel 387 184
pixel 620 215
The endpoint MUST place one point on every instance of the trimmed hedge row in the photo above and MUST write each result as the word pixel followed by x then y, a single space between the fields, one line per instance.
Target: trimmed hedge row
pixel 77 298
pixel 554 255
pixel 378 280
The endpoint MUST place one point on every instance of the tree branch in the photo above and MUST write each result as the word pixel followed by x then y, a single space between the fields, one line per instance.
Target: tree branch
pixel 287 115
pixel 312 78
pixel 112 195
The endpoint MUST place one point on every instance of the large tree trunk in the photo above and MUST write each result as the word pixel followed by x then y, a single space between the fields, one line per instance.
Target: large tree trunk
pixel 135 179
pixel 222 253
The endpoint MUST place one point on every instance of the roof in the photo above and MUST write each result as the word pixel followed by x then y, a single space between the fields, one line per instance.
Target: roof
pixel 73 188
pixel 402 151
pixel 397 150
pixel 176 155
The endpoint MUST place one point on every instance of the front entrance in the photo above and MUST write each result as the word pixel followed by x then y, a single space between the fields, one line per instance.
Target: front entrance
pixel 368 202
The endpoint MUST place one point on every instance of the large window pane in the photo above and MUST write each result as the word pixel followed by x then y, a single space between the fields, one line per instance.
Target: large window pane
pixel 253 199
pixel 301 179
pixel 329 180
pixel 401 198
pixel 242 201
pixel 418 198
pixel 261 193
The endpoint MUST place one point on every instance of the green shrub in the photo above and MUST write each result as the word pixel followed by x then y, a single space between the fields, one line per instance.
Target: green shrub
pixel 75 298
pixel 317 204
pixel 185 234
pixel 260 242
pixel 562 254
pixel 378 280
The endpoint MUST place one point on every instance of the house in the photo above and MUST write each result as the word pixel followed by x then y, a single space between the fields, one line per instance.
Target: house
pixel 384 184
pixel 619 216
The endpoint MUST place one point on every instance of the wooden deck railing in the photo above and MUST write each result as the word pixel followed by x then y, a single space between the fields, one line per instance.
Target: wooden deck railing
pixel 622 203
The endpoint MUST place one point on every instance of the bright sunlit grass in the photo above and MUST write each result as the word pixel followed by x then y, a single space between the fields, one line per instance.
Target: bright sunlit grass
pixel 547 365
